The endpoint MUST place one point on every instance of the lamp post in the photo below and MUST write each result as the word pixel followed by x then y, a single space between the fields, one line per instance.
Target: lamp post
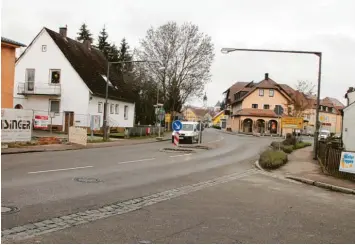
pixel 105 125
pixel 319 54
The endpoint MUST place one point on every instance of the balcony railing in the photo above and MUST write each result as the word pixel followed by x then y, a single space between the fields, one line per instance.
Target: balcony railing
pixel 33 88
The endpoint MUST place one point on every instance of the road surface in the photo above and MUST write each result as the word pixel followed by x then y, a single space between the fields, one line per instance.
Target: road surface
pixel 209 196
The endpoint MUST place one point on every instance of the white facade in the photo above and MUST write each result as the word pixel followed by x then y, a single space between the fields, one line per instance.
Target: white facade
pixel 351 97
pixel 349 127
pixel 116 112
pixel 73 95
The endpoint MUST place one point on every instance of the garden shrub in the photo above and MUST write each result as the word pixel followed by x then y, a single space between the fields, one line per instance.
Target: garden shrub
pixel 272 159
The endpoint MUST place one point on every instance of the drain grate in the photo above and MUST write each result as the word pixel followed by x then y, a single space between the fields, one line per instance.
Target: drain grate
pixel 9 209
pixel 87 180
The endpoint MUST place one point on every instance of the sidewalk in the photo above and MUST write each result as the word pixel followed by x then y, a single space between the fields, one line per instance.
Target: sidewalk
pixel 67 147
pixel 301 165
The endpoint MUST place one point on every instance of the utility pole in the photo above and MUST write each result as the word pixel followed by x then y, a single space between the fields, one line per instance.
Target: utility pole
pixel 105 124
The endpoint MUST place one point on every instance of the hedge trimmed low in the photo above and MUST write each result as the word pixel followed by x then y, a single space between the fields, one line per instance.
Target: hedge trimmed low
pixel 301 144
pixel 272 159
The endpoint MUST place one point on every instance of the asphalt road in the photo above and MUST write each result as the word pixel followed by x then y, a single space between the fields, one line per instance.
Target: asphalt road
pixel 252 208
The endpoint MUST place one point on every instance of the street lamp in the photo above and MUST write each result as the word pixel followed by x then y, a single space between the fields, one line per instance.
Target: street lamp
pixel 319 54
pixel 105 125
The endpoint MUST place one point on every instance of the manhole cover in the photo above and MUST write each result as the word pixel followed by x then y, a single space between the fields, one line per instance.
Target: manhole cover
pixel 9 209
pixel 87 180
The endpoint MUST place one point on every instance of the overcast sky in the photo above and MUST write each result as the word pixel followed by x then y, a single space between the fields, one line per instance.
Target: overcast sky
pixel 324 25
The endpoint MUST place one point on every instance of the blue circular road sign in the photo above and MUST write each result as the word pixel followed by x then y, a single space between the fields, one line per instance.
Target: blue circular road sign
pixel 177 125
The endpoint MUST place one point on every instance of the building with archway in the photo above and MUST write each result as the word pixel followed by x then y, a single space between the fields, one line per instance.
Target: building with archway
pixel 252 107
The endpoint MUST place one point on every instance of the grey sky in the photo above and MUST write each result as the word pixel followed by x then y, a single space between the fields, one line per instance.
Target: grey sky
pixel 324 25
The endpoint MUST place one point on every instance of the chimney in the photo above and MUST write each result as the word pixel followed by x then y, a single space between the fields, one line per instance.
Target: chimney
pixel 87 44
pixel 63 31
pixel 266 76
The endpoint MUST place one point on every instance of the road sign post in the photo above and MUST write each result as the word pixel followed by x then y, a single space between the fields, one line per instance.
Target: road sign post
pixel 177 126
pixel 279 110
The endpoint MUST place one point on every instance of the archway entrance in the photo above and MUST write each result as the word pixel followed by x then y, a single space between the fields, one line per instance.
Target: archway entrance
pixel 18 106
pixel 260 126
pixel 272 126
pixel 248 125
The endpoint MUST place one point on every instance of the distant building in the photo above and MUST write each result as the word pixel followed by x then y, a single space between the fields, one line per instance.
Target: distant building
pixel 196 114
pixel 217 107
pixel 8 59
pixel 219 120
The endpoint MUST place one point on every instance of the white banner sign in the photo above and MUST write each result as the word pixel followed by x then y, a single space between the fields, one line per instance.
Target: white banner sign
pixel 78 135
pixel 347 162
pixel 16 125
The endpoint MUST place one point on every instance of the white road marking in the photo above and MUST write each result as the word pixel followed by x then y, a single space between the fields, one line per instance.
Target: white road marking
pixel 215 140
pixel 56 170
pixel 141 160
pixel 181 155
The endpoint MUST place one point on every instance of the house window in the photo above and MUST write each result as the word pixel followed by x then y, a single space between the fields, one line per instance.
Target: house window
pixel 116 108
pixel 99 107
pixel 330 109
pixel 126 112
pixel 255 106
pixel 261 92
pixel 271 93
pixel 266 107
pixel 55 76
pixel 54 106
pixel 44 48
pixel 112 107
pixel 30 79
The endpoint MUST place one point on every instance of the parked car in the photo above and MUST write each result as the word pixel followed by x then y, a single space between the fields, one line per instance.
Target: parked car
pixel 323 134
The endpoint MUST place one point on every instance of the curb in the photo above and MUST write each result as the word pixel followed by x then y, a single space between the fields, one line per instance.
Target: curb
pixel 78 148
pixel 312 182
pixel 257 165
pixel 322 185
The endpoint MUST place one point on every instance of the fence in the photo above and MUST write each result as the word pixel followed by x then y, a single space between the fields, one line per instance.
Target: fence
pixel 58 123
pixel 329 155
pixel 142 130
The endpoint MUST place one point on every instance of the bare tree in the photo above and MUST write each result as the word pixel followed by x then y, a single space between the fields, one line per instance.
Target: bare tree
pixel 187 55
pixel 302 98
pixel 305 87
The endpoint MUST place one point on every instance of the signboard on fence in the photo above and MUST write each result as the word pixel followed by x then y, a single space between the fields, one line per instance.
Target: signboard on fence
pixel 95 122
pixel 78 135
pixel 41 122
pixel 292 122
pixel 16 125
pixel 347 162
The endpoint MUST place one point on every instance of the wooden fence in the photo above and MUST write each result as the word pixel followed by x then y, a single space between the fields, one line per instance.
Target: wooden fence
pixel 329 155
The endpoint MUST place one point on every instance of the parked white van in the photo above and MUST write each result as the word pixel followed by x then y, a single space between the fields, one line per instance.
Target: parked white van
pixel 190 132
pixel 323 134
